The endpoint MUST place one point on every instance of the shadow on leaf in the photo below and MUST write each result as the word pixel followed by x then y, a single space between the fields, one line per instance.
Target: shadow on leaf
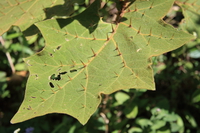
pixel 89 18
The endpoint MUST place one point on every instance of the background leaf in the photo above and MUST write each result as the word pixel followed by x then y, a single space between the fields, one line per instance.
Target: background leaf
pixel 24 13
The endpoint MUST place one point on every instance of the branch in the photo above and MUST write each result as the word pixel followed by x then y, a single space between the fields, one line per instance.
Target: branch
pixel 8 56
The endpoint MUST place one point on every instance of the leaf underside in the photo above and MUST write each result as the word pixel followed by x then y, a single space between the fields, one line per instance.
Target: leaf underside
pixel 24 13
pixel 85 57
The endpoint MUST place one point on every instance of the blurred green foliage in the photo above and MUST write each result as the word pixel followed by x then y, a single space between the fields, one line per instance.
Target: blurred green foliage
pixel 173 108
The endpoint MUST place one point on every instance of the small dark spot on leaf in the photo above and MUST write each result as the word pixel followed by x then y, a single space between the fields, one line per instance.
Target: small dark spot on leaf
pixel 51 85
pixel 62 73
pixel 73 70
pixel 33 97
pixel 58 47
pixel 51 54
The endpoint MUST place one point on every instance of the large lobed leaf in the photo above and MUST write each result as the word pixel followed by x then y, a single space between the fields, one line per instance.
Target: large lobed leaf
pixel 24 13
pixel 85 57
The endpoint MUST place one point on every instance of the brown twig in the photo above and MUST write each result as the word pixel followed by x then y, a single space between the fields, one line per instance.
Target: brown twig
pixel 106 121
pixel 8 56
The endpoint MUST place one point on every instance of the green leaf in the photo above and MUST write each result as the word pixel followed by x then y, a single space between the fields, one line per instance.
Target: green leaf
pixel 196 96
pixel 191 13
pixel 195 54
pixel 190 119
pixel 135 130
pixel 121 97
pixel 94 57
pixel 25 13
pixel 131 110
pixel 158 124
pixel 3 85
pixel 144 122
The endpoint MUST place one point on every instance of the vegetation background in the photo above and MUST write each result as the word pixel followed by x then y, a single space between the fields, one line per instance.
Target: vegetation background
pixel 173 108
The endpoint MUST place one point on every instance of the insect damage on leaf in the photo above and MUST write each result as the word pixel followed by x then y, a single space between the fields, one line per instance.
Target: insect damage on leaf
pixel 86 62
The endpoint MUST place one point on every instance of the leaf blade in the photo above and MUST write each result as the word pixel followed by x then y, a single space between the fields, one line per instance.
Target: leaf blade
pixel 96 58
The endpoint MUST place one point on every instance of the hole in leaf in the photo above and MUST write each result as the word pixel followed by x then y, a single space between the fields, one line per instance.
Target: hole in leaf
pixel 58 47
pixel 54 77
pixel 51 54
pixel 51 85
pixel 73 70
pixel 62 73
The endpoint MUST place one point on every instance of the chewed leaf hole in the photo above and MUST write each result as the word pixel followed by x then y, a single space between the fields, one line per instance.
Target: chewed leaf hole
pixel 73 70
pixel 54 77
pixel 51 85
pixel 62 73
pixel 58 47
